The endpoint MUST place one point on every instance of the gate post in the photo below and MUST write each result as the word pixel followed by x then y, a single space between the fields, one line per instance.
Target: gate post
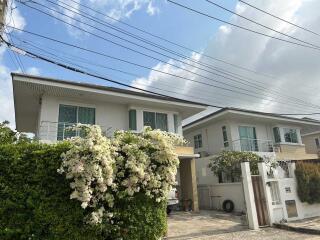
pixel 263 173
pixel 249 196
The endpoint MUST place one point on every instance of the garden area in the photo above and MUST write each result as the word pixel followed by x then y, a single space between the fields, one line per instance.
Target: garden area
pixel 91 187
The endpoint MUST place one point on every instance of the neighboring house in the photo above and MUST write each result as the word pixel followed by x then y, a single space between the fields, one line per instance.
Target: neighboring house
pixel 47 107
pixel 271 136
pixel 311 138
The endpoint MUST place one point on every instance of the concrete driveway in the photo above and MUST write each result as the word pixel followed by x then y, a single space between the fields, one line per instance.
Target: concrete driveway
pixel 217 225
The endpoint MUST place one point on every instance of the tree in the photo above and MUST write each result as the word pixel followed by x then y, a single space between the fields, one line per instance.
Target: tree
pixel 9 136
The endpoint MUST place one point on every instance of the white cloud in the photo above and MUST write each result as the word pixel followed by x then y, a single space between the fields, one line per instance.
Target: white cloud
pixel 33 71
pixel 116 9
pixel 295 69
pixel 6 94
pixel 151 9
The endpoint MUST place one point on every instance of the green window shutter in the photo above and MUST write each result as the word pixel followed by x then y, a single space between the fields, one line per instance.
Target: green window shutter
pixel 162 121
pixel 276 134
pixel 133 119
pixel 149 119
pixel 175 122
pixel 86 115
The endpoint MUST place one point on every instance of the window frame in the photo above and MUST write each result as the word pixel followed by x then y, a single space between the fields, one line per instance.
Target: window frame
pixel 225 136
pixel 155 119
pixel 197 139
pixel 296 133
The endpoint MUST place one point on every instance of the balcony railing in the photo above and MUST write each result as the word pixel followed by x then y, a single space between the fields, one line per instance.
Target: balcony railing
pixel 251 145
pixel 55 131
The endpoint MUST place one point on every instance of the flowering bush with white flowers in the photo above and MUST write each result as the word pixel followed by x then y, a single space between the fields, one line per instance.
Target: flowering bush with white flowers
pixel 103 171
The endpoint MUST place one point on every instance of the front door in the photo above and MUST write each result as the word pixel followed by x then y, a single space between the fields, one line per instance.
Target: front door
pixel 248 138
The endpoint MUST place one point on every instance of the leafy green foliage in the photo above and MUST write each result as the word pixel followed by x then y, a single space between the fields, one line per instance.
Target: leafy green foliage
pixel 8 136
pixel 228 162
pixel 308 180
pixel 35 201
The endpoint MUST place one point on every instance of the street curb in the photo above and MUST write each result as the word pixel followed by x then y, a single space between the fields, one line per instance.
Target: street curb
pixel 297 229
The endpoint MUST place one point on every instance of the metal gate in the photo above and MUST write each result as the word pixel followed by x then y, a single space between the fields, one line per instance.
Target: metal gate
pixel 204 197
pixel 260 201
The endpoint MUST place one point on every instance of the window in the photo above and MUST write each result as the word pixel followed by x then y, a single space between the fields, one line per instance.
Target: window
pixel 133 119
pixel 156 120
pixel 71 115
pixel 248 138
pixel 275 194
pixel 176 123
pixel 317 142
pixel 290 135
pixel 197 141
pixel 276 134
pixel 225 137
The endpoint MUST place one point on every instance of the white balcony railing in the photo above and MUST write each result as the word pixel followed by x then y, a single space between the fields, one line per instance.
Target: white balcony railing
pixel 55 131
pixel 251 145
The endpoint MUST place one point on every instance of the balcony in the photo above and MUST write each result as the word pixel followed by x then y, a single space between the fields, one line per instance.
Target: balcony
pixel 56 131
pixel 251 145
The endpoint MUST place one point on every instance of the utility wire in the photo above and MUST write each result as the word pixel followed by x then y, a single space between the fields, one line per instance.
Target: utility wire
pixel 96 75
pixel 166 40
pixel 72 58
pixel 243 81
pixel 284 20
pixel 152 57
pixel 77 70
pixel 259 24
pixel 241 27
pixel 156 70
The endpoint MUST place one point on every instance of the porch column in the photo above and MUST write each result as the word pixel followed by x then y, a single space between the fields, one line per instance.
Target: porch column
pixel 249 196
pixel 188 182
pixel 263 173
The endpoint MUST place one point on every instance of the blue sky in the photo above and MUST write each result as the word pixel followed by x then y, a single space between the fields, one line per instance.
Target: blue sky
pixel 168 21
pixel 293 71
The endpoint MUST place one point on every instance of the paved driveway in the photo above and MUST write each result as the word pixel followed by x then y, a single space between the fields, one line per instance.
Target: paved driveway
pixel 216 225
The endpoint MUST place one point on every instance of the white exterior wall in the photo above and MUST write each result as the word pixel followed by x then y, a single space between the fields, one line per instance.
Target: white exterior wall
pixel 212 138
pixel 214 192
pixel 279 211
pixel 110 116
pixel 309 142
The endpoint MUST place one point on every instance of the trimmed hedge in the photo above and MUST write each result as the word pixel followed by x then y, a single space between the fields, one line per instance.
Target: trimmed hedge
pixel 308 180
pixel 35 201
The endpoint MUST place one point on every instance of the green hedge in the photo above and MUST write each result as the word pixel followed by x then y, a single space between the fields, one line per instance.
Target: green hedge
pixel 35 202
pixel 308 180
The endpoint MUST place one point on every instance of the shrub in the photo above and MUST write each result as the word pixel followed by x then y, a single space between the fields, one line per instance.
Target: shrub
pixel 36 203
pixel 308 182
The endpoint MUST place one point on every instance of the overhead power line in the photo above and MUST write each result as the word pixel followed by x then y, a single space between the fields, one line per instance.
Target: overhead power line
pixel 167 40
pixel 164 72
pixel 279 18
pixel 234 78
pixel 71 59
pixel 95 75
pixel 261 25
pixel 174 65
pixel 242 27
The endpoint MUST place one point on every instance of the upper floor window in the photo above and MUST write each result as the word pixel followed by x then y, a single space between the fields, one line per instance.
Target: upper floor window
pixel 156 120
pixel 290 135
pixel 197 141
pixel 317 142
pixel 276 134
pixel 176 123
pixel 71 115
pixel 133 119
pixel 225 137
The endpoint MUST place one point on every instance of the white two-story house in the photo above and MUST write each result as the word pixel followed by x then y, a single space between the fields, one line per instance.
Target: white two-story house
pixel 48 107
pixel 268 135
